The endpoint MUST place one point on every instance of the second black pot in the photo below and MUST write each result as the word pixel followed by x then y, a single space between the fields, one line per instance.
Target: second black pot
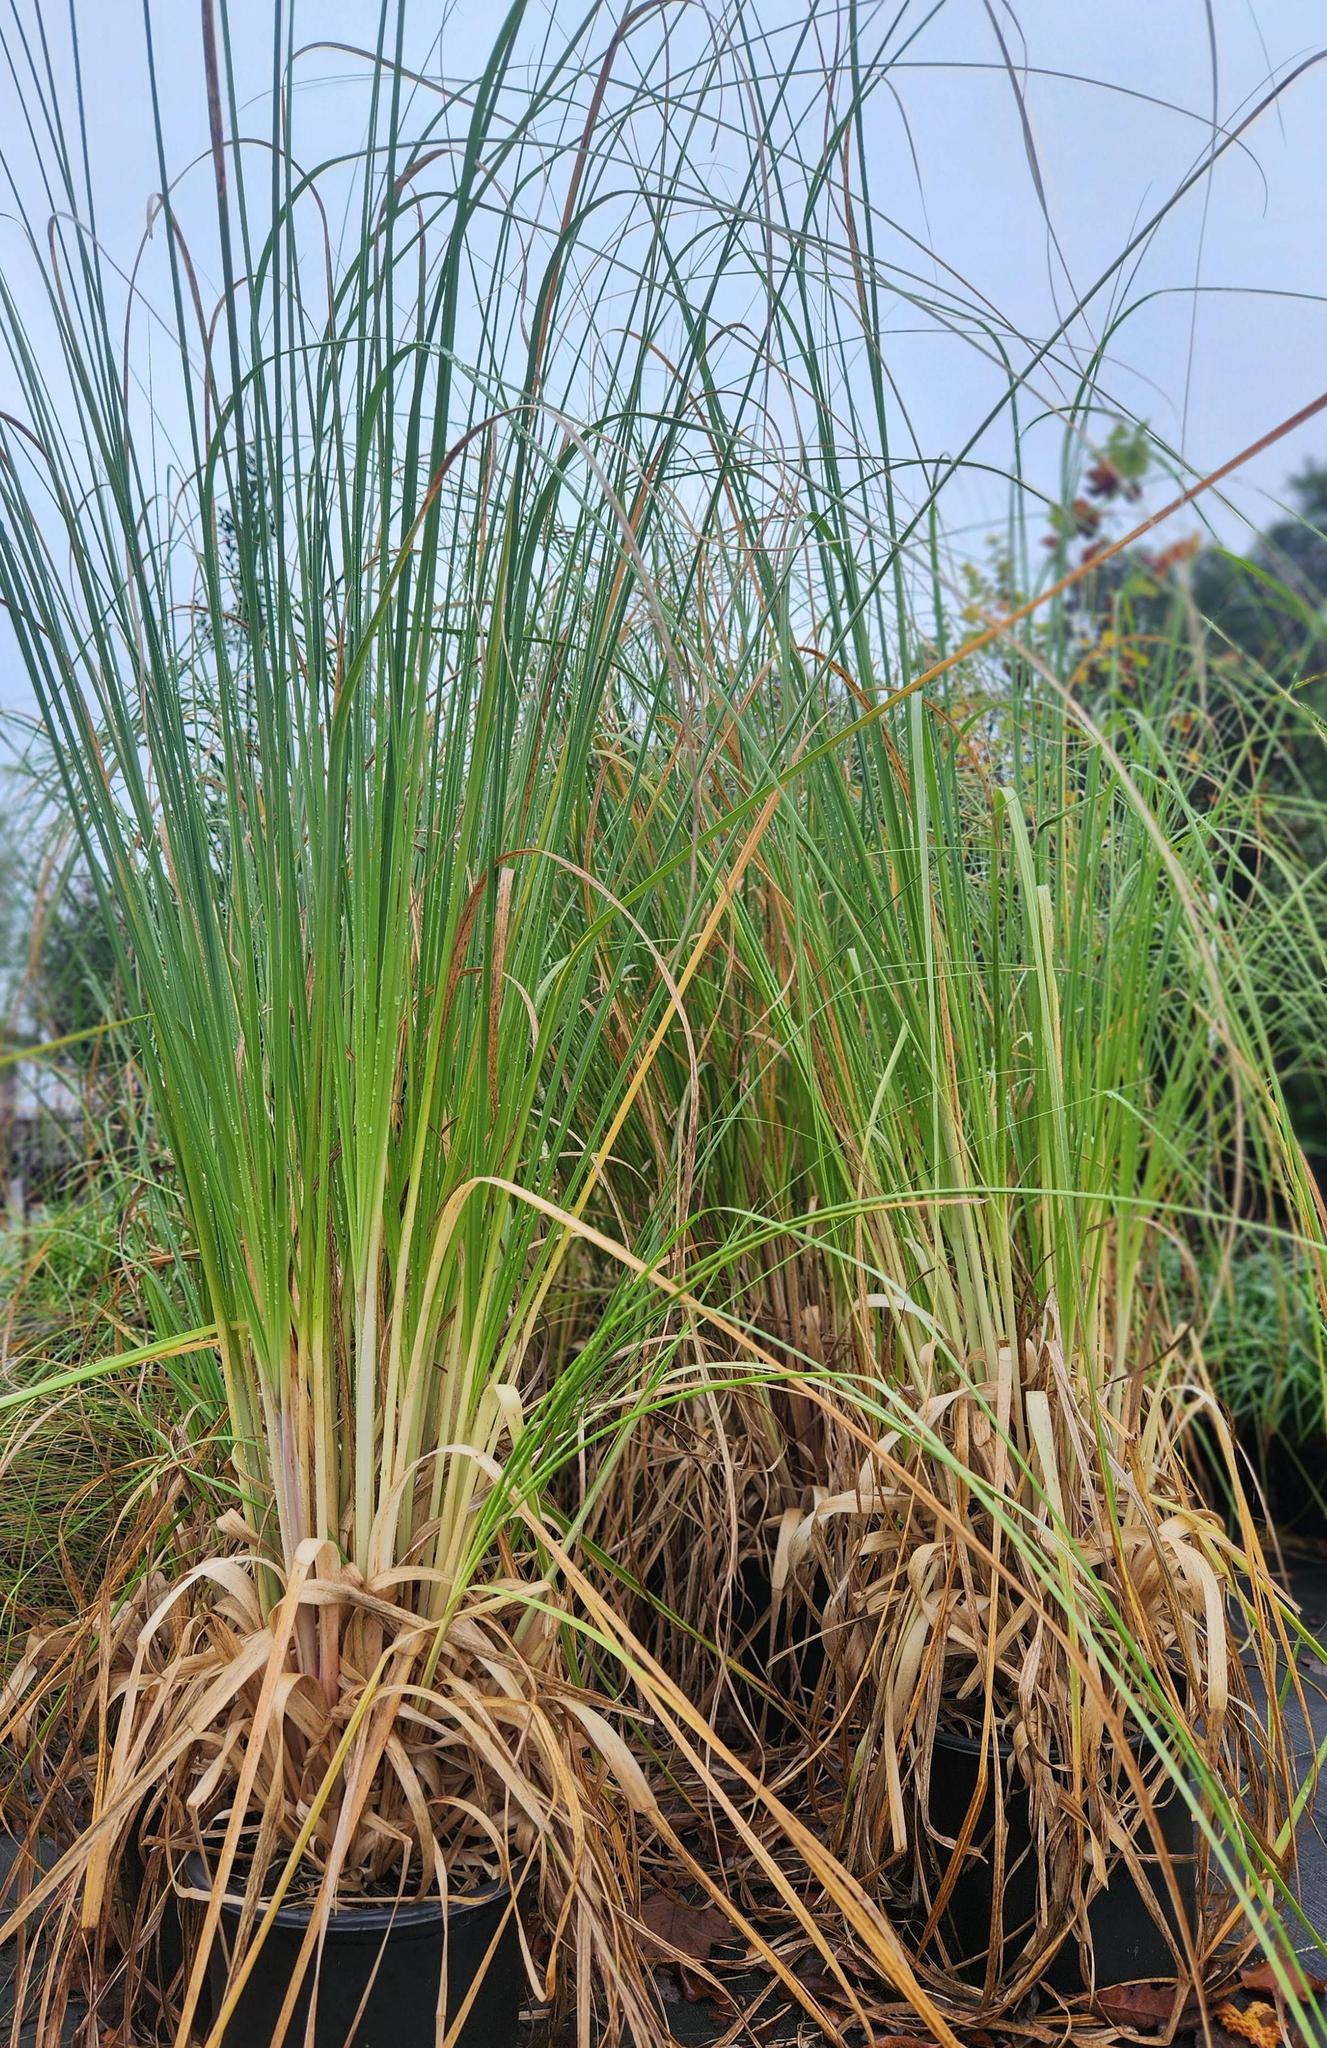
pixel 1127 1943
pixel 381 1973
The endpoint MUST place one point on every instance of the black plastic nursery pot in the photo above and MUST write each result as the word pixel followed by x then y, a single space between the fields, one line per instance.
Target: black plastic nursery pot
pixel 381 1973
pixel 1284 1477
pixel 787 1653
pixel 1127 1943
pixel 1292 1477
pixel 160 1968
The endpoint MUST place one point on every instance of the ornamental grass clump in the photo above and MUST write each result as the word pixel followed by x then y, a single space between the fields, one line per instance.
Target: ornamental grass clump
pixel 1007 1062
pixel 357 610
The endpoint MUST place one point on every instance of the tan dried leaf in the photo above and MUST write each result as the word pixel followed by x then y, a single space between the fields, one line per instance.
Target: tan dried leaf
pixel 1257 2023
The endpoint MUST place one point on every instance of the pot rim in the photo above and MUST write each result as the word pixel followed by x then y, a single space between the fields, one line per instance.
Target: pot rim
pixel 371 1917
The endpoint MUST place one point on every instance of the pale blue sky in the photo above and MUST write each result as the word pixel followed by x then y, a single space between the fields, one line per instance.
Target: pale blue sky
pixel 1113 135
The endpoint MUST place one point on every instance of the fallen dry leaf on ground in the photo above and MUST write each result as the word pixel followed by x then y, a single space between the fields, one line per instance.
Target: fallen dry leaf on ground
pixel 1145 2007
pixel 1257 2023
pixel 691 1930
pixel 1262 1977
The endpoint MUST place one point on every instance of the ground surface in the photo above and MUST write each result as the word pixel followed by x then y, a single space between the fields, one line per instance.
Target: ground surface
pixel 700 2023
